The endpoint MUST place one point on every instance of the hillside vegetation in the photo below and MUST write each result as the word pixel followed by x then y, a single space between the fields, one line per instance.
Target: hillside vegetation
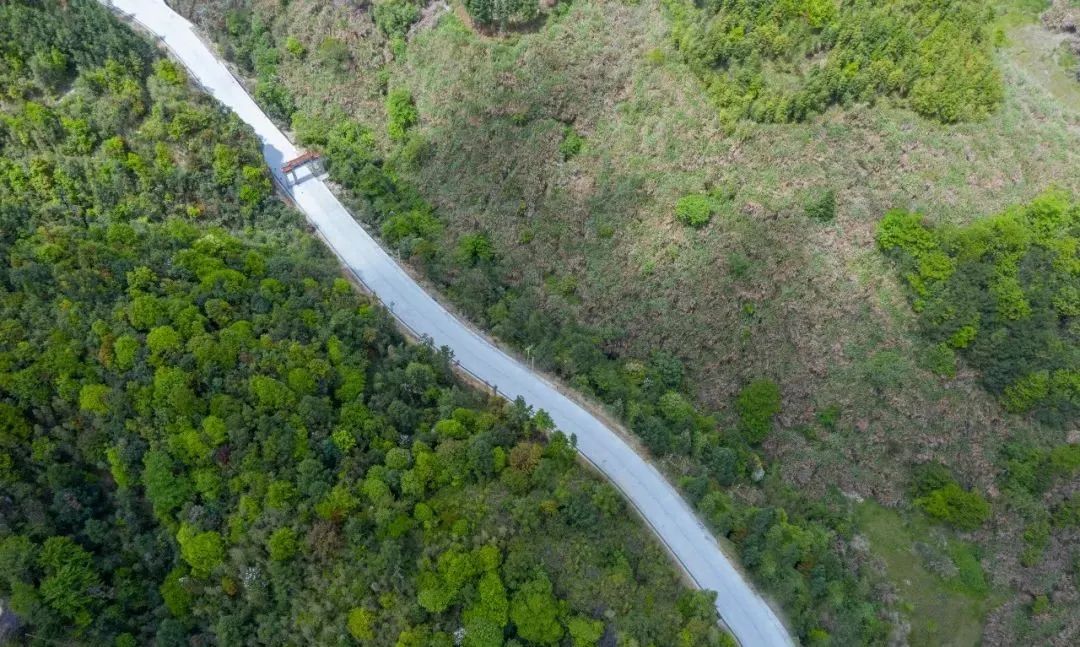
pixel 207 437
pixel 784 60
pixel 634 220
pixel 607 191
pixel 1005 292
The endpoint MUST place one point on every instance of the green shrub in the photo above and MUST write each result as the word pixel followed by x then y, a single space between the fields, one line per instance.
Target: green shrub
pixel 1067 514
pixel 584 631
pixel 970 574
pixel 361 624
pixel 176 596
pixel 941 359
pixel 475 248
pixel 400 112
pixel 203 551
pixel 953 504
pixel 1037 536
pixel 275 98
pixel 282 544
pixel 1031 556
pixel 334 53
pixel 1065 459
pixel 502 12
pixel 822 206
pixel 756 405
pixel 695 210
pixel 394 17
pixel 412 224
pixel 1025 469
pixel 904 232
pixel 572 143
pixel 928 477
pixel 93 398
pixel 739 265
pixel 294 46
pixel 1026 392
pixel 828 417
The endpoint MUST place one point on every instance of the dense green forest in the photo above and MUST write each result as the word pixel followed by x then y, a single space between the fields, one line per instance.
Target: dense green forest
pixel 206 436
pixel 784 60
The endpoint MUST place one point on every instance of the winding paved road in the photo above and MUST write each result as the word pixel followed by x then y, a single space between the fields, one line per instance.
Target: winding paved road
pixel 746 614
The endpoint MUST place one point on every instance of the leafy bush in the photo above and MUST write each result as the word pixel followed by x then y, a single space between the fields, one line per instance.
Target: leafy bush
pixel 1065 459
pixel 941 359
pixel 334 53
pixel 782 61
pixel 295 47
pixel 572 143
pixel 360 623
pixel 273 96
pixel 953 504
pixel 502 13
pixel 401 113
pixel 970 574
pixel 758 402
pixel 928 477
pixel 1001 291
pixel 475 248
pixel 934 489
pixel 1026 471
pixel 204 551
pixel 1040 605
pixel 822 207
pixel 394 17
pixel 695 210
pixel 282 544
pixel 1067 514
pixel 534 611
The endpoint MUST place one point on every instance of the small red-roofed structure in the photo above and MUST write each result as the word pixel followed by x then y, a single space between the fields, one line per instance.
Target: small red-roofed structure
pixel 297 162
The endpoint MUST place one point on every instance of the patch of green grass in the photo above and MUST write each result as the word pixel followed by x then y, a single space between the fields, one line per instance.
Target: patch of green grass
pixel 1046 61
pixel 942 587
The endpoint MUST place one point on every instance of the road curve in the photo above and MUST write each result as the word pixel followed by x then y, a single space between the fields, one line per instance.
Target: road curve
pixel 746 614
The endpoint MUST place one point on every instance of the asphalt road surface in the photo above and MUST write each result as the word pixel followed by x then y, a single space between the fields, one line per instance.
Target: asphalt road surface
pixel 743 611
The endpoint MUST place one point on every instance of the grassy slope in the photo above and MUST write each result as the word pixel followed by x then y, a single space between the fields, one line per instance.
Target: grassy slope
pixel 924 562
pixel 760 291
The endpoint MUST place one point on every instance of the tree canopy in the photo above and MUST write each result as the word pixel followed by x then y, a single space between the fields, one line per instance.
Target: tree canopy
pixel 1003 293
